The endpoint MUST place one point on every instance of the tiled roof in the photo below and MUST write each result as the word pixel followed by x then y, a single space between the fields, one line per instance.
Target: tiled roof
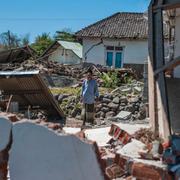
pixel 120 25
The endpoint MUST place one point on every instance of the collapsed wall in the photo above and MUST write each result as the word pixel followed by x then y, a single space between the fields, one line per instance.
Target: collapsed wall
pixel 40 153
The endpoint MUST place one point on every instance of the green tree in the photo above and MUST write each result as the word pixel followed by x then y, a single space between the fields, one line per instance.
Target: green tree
pixel 42 42
pixel 66 35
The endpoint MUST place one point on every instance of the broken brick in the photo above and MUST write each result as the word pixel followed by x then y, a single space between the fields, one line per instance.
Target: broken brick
pixel 114 171
pixel 119 134
pixel 143 171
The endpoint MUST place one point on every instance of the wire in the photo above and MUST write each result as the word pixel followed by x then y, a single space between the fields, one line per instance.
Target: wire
pixel 47 19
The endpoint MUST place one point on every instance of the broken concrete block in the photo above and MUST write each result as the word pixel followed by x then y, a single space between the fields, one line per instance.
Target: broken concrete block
pixel 39 153
pixel 134 145
pixel 5 132
pixel 99 135
pixel 123 115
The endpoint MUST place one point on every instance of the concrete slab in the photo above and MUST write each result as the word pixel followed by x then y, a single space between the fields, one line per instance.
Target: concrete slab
pixel 41 154
pixel 5 132
pixel 131 149
pixel 131 128
pixel 100 135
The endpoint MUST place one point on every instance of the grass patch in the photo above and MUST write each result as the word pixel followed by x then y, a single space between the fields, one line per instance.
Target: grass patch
pixel 76 91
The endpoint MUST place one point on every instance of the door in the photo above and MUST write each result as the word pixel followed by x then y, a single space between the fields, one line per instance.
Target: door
pixel 109 61
pixel 118 60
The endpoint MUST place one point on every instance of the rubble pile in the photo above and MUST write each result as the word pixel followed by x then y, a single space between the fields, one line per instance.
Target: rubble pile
pixel 145 135
pixel 122 104
pixel 76 71
pixel 129 158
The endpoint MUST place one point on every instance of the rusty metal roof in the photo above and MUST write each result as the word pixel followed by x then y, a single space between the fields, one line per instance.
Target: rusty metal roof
pixel 28 89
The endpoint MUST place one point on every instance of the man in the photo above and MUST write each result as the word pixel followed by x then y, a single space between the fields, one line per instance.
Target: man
pixel 89 95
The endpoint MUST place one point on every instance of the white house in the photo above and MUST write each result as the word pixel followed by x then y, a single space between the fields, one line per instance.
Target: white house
pixel 119 40
pixel 64 52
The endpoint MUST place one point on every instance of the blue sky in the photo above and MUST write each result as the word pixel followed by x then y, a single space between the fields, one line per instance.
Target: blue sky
pixel 36 16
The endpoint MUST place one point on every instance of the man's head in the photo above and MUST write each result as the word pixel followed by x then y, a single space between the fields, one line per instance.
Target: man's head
pixel 89 74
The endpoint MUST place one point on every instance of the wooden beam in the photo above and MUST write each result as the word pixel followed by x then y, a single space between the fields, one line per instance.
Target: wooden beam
pixel 151 81
pixel 165 4
pixel 156 49
pixel 170 65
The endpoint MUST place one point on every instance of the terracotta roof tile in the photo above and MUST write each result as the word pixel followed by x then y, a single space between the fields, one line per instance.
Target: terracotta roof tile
pixel 119 25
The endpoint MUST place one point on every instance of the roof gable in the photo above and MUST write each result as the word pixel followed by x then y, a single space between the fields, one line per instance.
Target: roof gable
pixel 120 25
pixel 75 47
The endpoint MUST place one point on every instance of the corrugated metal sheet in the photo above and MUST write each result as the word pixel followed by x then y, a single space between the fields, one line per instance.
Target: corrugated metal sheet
pixel 29 89
pixel 75 47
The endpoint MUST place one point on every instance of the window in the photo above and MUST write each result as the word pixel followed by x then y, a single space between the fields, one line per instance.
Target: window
pixel 114 55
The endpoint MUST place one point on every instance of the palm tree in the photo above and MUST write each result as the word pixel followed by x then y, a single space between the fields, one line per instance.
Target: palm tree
pixel 42 42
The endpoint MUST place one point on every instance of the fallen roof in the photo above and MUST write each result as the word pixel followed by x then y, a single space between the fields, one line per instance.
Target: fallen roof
pixel 75 47
pixel 28 89
pixel 119 25
pixel 19 54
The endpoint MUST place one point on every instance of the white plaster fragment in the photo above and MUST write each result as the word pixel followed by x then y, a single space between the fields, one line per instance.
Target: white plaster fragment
pixel 40 154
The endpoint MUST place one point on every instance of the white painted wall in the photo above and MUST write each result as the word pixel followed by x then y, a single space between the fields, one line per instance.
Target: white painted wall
pixel 64 56
pixel 38 153
pixel 135 52
pixel 177 42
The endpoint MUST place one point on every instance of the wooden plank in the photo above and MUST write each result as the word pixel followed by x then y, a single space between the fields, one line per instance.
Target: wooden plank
pixel 165 4
pixel 151 84
pixel 170 65
pixel 161 92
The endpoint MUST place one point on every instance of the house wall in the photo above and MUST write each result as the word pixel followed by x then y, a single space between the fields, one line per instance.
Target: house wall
pixel 135 52
pixel 64 56
pixel 177 42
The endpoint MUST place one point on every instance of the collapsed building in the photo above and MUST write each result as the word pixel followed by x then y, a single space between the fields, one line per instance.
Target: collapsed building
pixel 42 150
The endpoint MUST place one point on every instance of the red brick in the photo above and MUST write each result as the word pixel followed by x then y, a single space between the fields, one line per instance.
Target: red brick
pixel 147 172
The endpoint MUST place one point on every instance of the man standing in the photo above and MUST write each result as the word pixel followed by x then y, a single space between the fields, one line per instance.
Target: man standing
pixel 89 95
